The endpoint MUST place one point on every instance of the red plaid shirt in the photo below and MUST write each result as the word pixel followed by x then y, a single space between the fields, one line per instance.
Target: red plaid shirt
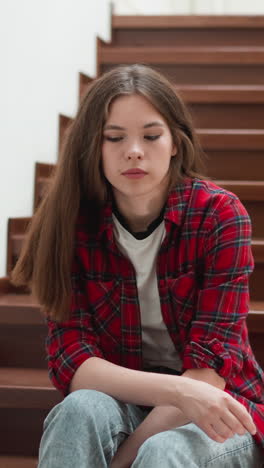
pixel 202 271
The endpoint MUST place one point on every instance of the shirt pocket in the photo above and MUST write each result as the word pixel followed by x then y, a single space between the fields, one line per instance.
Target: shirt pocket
pixel 183 293
pixel 105 307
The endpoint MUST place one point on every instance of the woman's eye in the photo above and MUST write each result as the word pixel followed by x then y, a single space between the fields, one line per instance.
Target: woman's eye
pixel 152 137
pixel 113 139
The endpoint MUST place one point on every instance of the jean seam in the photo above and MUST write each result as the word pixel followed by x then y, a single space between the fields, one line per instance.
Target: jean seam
pixel 110 444
pixel 231 451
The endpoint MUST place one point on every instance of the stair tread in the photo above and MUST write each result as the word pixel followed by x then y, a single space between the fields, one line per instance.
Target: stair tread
pixel 19 299
pixel 18 461
pixel 187 21
pixel 27 388
pixel 235 139
pixel 234 94
pixel 187 48
pixel 24 377
pixel 246 190
pixel 172 55
pixel 23 309
pixel 256 306
pixel 243 183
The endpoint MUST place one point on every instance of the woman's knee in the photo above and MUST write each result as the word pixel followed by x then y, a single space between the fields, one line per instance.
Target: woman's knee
pixel 81 400
pixel 79 406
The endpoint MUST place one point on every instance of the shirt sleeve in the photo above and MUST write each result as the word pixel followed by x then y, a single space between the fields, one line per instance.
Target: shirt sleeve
pixel 71 342
pixel 218 336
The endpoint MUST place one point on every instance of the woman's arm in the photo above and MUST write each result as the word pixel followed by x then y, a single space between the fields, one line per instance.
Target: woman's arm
pixel 207 406
pixel 164 418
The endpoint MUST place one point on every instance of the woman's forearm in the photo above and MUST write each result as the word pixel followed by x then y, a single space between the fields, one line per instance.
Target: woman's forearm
pixel 161 418
pixel 128 385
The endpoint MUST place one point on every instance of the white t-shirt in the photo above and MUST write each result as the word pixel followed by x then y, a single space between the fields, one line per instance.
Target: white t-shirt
pixel 157 346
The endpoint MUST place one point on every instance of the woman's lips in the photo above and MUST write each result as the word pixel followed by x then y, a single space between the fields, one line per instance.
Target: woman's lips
pixel 134 173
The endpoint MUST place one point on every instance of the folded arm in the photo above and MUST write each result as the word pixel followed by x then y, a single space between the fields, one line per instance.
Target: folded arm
pixel 163 418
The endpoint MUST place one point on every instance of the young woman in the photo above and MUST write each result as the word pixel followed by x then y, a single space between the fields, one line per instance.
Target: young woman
pixel 142 266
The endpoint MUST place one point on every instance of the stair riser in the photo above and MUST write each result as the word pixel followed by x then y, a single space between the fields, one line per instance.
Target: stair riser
pixel 227 116
pixel 21 431
pixel 256 341
pixel 188 37
pixel 23 346
pixel 207 74
pixel 234 165
pixel 256 283
pixel 255 211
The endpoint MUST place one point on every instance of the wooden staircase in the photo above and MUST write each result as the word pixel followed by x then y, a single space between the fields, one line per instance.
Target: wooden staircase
pixel 217 65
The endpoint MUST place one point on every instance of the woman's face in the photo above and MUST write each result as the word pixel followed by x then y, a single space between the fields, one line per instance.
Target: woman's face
pixel 137 148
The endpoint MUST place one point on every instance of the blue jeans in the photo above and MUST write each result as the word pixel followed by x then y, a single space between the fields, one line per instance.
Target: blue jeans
pixel 87 427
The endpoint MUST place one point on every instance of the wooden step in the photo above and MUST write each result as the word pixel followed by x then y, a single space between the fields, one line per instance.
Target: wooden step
pixel 220 106
pixel 258 250
pixel 251 194
pixel 216 94
pixel 228 150
pixel 255 323
pixel 23 309
pixel 43 173
pixel 84 82
pixel 64 123
pixel 244 189
pixel 231 139
pixel 190 64
pixel 16 226
pixel 187 30
pixel 18 462
pixel 189 55
pixel 22 330
pixel 26 397
pixel 226 115
pixel 27 388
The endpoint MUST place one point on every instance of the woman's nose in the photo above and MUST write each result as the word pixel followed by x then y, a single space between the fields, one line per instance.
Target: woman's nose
pixel 134 152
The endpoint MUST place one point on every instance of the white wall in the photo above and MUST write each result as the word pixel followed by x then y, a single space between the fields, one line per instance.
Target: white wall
pixel 167 7
pixel 44 44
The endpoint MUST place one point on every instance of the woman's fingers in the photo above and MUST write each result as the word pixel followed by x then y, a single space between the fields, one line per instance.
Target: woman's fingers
pixel 211 432
pixel 242 415
pixel 234 424
pixel 221 429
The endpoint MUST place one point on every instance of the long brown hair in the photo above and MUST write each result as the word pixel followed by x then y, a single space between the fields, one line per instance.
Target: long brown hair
pixel 45 260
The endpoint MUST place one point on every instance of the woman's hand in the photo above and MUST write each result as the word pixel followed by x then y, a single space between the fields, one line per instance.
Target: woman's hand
pixel 218 414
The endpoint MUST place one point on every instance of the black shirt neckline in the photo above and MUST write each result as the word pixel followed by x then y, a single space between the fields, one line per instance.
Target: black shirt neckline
pixel 141 234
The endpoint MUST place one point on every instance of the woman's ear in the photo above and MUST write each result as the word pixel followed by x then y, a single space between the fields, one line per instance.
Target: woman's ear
pixel 174 151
